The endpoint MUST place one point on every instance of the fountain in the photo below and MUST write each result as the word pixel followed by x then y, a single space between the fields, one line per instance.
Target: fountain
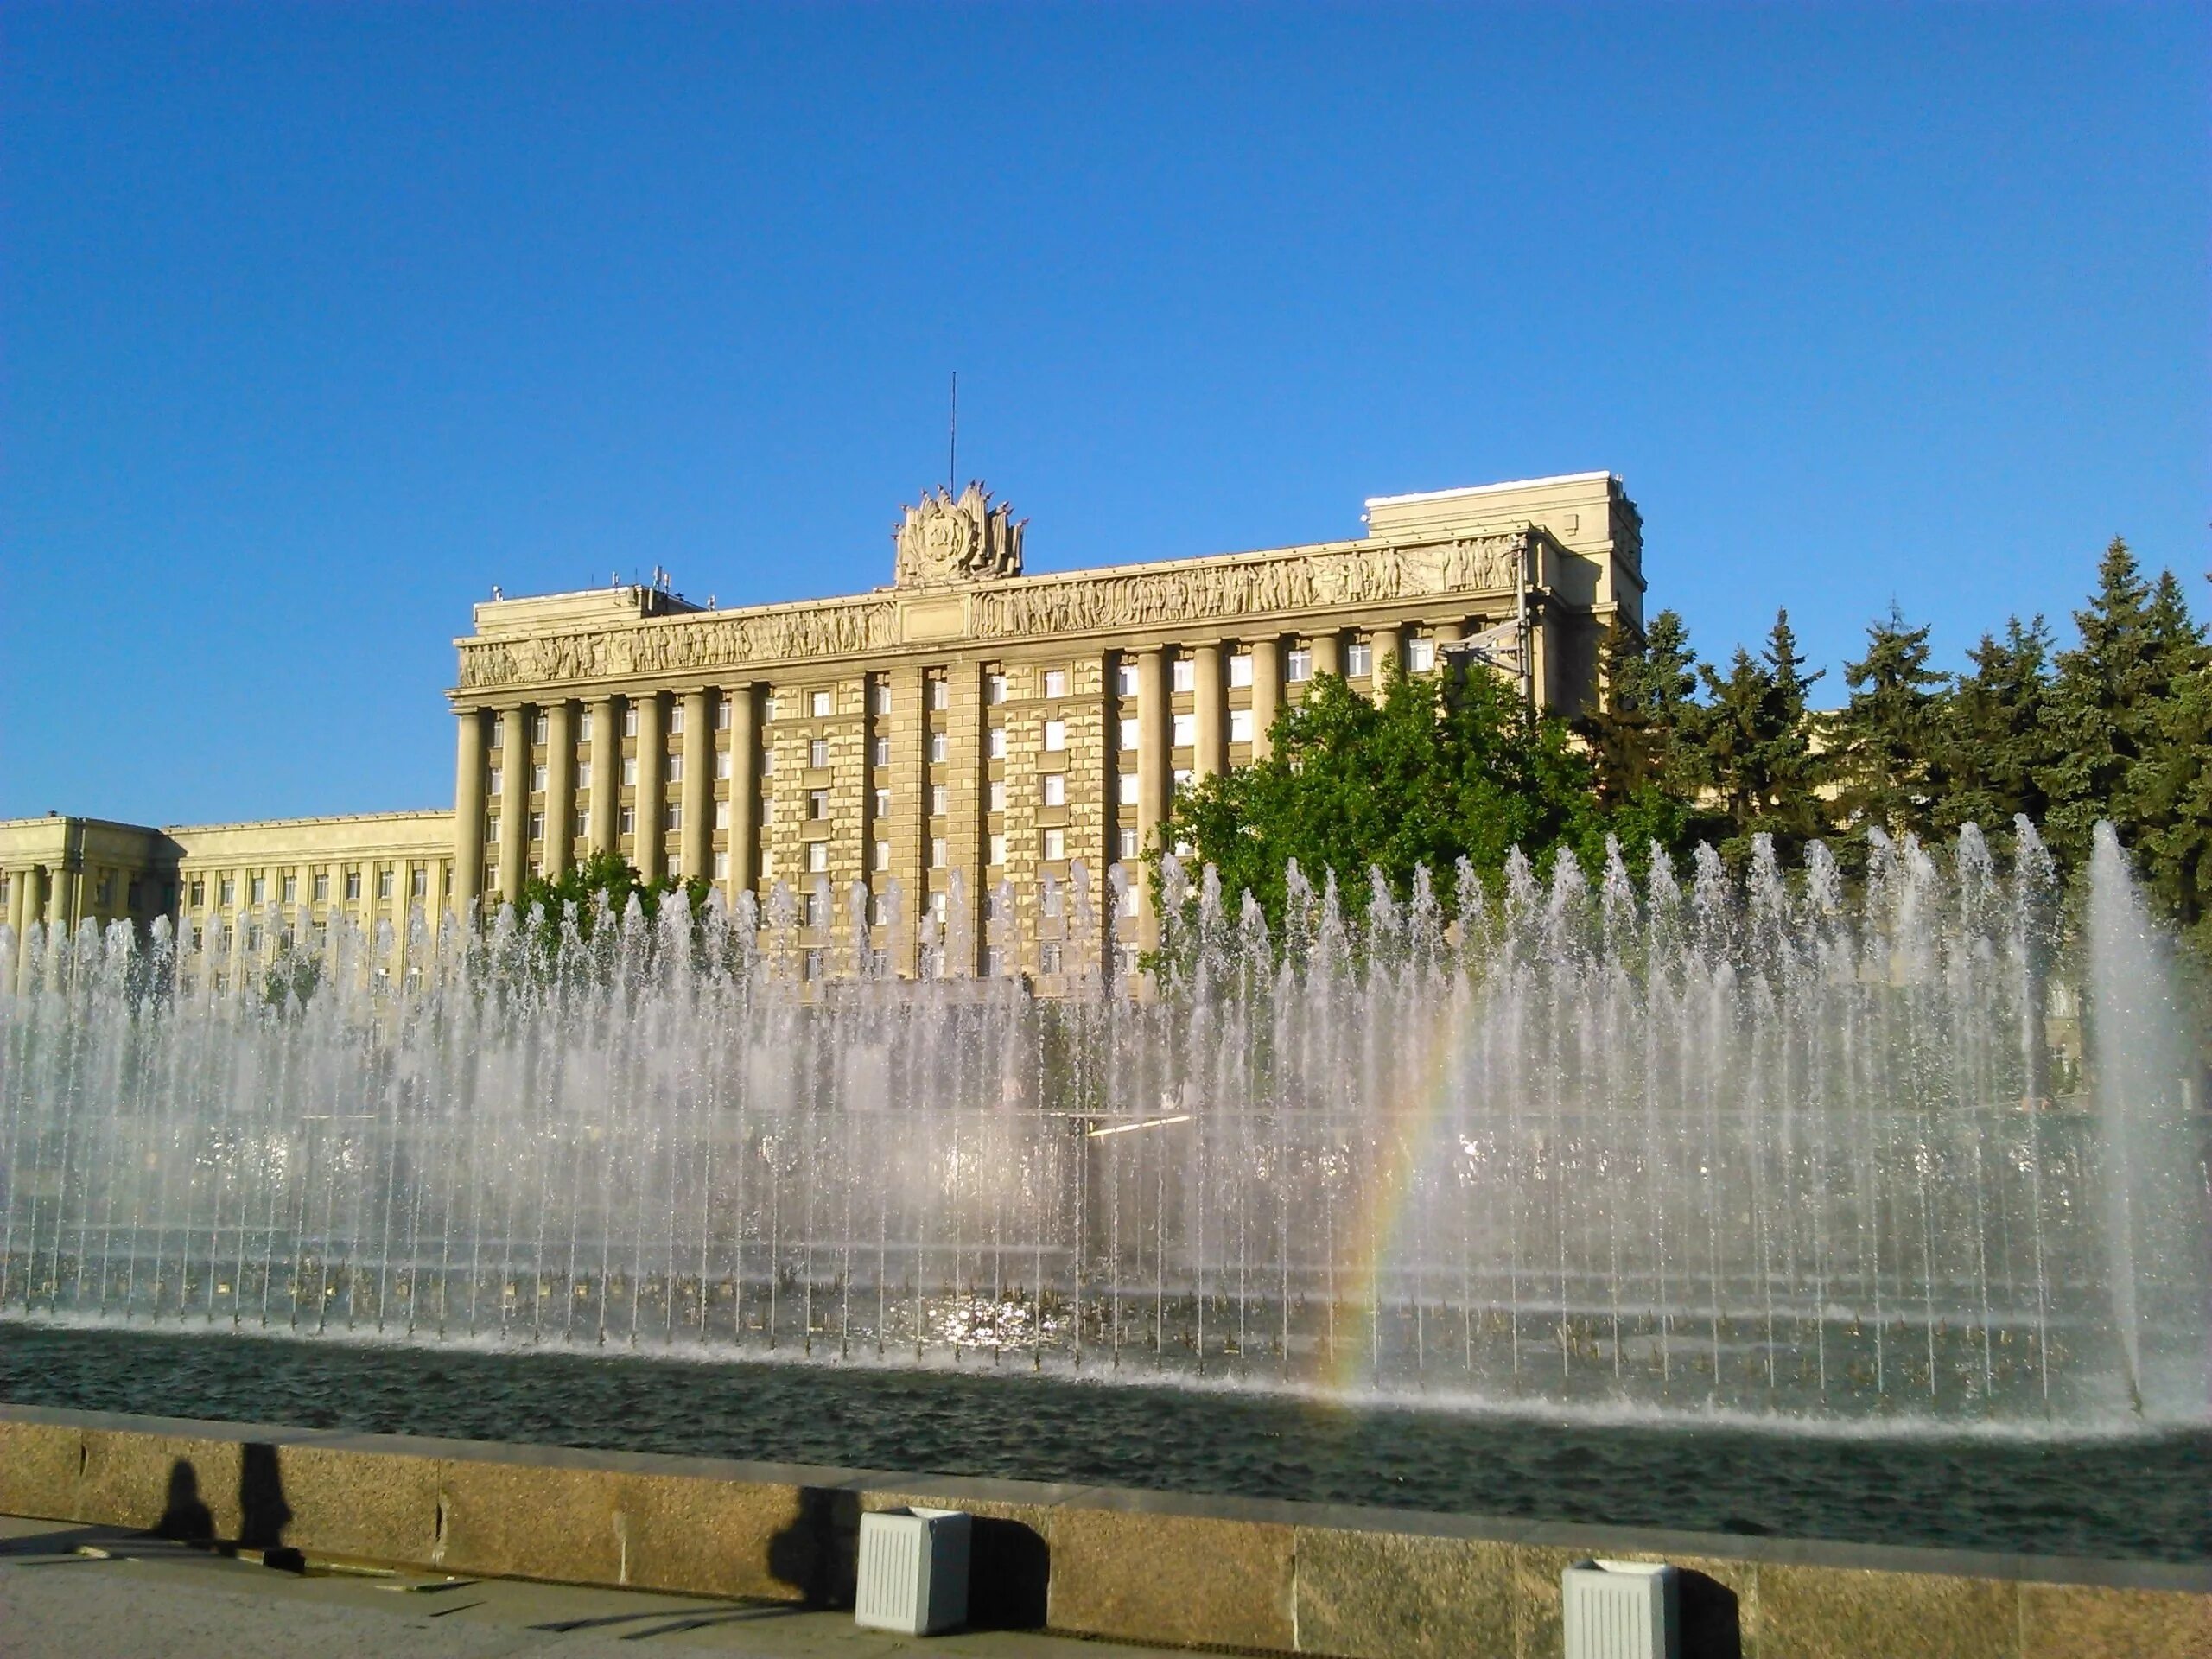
pixel 1686 1146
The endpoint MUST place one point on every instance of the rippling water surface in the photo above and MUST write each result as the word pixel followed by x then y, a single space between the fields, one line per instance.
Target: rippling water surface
pixel 2141 1496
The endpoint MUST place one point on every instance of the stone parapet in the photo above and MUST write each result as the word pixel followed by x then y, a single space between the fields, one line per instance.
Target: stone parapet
pixel 1144 1567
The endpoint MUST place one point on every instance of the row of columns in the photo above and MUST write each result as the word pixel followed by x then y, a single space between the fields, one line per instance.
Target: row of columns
pixel 472 804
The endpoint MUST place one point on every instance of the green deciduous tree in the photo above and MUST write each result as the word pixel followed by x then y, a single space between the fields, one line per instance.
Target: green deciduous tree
pixel 609 874
pixel 1438 769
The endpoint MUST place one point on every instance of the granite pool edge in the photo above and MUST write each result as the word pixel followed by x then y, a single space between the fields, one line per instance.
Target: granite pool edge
pixel 1170 1568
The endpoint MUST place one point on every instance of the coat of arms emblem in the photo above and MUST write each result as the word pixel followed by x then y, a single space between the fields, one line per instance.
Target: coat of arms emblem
pixel 963 538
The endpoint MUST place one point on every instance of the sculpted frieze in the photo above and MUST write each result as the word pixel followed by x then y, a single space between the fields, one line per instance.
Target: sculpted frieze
pixel 1076 604
pixel 1083 604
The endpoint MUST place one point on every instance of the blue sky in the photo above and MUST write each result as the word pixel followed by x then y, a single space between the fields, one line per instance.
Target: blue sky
pixel 317 321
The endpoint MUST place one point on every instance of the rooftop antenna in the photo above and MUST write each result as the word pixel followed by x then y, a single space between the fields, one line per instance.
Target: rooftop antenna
pixel 952 446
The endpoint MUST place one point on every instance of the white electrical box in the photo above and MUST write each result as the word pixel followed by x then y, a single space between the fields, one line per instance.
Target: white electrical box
pixel 913 1571
pixel 1621 1610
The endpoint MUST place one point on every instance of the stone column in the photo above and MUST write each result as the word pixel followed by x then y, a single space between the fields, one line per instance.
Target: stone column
pixel 19 915
pixel 652 786
pixel 1209 702
pixel 606 772
pixel 514 801
pixel 560 787
pixel 468 812
pixel 744 789
pixel 60 886
pixel 1328 653
pixel 698 831
pixel 1267 693
pixel 1154 729
pixel 1384 643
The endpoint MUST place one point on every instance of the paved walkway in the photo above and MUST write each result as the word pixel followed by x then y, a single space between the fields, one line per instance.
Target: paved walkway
pixel 92 1593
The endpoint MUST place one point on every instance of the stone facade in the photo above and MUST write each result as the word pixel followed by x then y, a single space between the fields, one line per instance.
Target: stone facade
pixel 968 721
pixel 971 719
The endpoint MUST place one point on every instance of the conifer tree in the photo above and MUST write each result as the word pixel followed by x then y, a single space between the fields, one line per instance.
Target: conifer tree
pixel 2166 805
pixel 1886 756
pixel 1636 735
pixel 1755 748
pixel 1993 733
pixel 2105 713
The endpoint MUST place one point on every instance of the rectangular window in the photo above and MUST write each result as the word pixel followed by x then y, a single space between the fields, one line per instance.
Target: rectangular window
pixel 878 909
pixel 577 826
pixel 1048 958
pixel 994 961
pixel 879 696
pixel 818 803
pixel 629 720
pixel 815 967
pixel 537 779
pixel 1186 730
pixel 940 906
pixel 321 886
pixel 352 886
pixel 1126 843
pixel 629 770
pixel 995 800
pixel 817 857
pixel 200 892
pixel 1056 682
pixel 1129 734
pixel 675 868
pixel 253 937
pixel 626 821
pixel 498 780
pixel 540 726
pixel 767 761
pixel 289 889
pixel 675 720
pixel 722 815
pixel 882 854
pixel 774 705
pixel 882 803
pixel 722 867
pixel 583 726
pixel 1051 901
pixel 817 753
pixel 940 694
pixel 767 808
pixel 1056 736
pixel 936 745
pixel 1056 789
pixel 721 714
pixel 1180 782
pixel 671 815
pixel 385 878
pixel 421 882
pixel 1298 665
pixel 1240 670
pixel 675 768
pixel 998 849
pixel 937 852
pixel 1128 796
pixel 996 750
pixel 259 890
pixel 938 795
pixel 583 774
pixel 879 752
pixel 492 828
pixel 724 763
pixel 1056 843
pixel 818 703
pixel 1420 655
pixel 1125 679
pixel 995 687
pixel 1130 899
pixel 1360 662
pixel 537 826
pixel 499 734
pixel 1240 725
pixel 1185 673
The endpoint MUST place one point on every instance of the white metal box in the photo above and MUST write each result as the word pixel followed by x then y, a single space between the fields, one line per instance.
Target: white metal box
pixel 1621 1610
pixel 913 1571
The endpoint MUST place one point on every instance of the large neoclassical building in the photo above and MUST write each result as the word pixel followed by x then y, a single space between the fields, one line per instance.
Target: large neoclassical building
pixel 965 719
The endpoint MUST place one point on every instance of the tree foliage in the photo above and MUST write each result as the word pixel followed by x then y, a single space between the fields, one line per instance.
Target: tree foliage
pixel 608 875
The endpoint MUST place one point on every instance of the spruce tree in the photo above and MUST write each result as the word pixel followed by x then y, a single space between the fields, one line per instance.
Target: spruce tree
pixel 2166 804
pixel 1886 755
pixel 2105 713
pixel 1636 737
pixel 1993 734
pixel 1755 747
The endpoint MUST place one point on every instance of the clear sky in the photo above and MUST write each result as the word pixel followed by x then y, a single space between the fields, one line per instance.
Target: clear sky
pixel 317 321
